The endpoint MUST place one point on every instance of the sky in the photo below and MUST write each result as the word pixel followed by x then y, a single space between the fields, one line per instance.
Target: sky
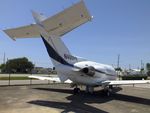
pixel 118 27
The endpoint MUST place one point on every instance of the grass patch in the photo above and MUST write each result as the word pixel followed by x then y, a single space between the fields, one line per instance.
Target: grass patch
pixel 15 78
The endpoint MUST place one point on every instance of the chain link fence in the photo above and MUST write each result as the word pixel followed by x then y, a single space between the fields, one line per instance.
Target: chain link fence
pixel 21 79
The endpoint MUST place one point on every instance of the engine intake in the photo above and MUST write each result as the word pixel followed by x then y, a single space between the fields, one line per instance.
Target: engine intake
pixel 89 70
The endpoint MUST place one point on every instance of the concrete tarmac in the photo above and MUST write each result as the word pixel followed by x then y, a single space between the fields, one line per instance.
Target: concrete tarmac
pixel 58 98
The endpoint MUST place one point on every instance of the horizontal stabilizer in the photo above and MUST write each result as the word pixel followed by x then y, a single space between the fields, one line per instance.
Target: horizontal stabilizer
pixel 23 32
pixel 67 20
pixel 58 24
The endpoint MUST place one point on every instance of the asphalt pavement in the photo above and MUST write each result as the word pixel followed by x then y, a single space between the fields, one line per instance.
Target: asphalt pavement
pixel 58 98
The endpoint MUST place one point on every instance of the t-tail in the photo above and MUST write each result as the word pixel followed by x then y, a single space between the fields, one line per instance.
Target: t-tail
pixel 56 49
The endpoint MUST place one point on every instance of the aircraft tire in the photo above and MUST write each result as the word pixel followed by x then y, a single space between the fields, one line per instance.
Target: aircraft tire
pixel 76 91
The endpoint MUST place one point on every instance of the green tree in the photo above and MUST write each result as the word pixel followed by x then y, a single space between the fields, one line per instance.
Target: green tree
pixel 118 69
pixel 18 65
pixel 2 67
pixel 148 69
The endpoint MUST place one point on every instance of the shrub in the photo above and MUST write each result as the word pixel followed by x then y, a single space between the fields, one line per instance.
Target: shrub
pixel 134 77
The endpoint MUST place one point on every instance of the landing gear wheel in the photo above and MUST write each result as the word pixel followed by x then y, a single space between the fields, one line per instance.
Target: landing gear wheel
pixel 107 92
pixel 76 90
pixel 111 87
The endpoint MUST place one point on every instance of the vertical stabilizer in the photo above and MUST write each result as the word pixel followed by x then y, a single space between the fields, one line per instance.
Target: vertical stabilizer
pixel 38 17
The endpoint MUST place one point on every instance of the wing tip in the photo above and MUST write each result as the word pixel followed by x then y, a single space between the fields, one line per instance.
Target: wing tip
pixel 6 32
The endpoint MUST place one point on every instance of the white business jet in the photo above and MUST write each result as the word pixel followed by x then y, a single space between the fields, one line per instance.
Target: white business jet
pixel 70 69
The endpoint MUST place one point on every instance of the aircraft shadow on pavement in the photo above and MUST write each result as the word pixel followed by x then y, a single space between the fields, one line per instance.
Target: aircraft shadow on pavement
pixel 72 106
pixel 78 102
pixel 68 91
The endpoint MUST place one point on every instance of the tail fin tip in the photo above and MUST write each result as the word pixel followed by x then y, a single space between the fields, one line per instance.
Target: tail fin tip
pixel 38 16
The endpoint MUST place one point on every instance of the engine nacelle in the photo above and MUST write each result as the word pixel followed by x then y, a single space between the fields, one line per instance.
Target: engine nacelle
pixel 89 70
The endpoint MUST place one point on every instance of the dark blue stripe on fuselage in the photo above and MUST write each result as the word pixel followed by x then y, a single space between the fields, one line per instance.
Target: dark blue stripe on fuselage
pixel 53 54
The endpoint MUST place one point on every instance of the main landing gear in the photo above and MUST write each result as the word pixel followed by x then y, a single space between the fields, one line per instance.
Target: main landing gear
pixel 89 89
pixel 108 90
pixel 76 90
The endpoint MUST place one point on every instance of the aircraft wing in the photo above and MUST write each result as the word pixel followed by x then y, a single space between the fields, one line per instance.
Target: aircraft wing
pixel 125 82
pixel 53 79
